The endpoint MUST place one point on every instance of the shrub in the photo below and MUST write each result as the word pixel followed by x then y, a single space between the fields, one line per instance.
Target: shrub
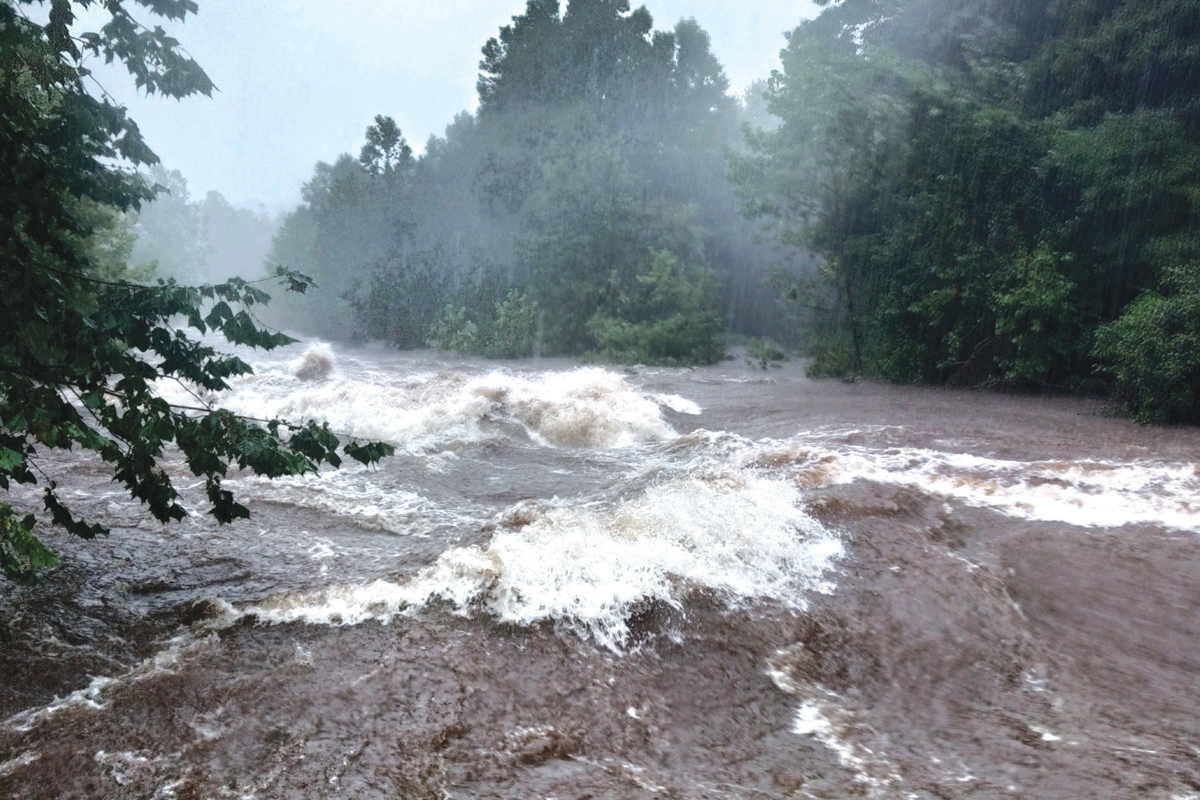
pixel 669 315
pixel 765 353
pixel 1153 353
pixel 509 331
pixel 833 362
pixel 513 331
pixel 454 330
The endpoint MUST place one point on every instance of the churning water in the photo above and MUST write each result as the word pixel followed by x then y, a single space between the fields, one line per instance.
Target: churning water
pixel 596 582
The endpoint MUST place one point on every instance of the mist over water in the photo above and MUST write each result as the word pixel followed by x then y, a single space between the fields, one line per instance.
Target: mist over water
pixel 719 582
pixel 695 575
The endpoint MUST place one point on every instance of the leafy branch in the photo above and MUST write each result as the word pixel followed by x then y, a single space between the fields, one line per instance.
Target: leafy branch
pixel 122 347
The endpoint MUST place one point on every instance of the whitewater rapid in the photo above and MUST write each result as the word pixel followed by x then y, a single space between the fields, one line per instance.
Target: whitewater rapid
pixel 696 512
pixel 608 581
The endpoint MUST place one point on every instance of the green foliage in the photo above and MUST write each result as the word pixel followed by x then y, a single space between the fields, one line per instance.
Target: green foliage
pixel 83 347
pixel 597 139
pixel 990 186
pixel 398 305
pixel 1037 317
pixel 21 554
pixel 1153 353
pixel 386 151
pixel 583 225
pixel 347 229
pixel 109 242
pixel 765 353
pixel 508 330
pixel 454 330
pixel 669 315
pixel 513 331
pixel 833 361
pixel 593 50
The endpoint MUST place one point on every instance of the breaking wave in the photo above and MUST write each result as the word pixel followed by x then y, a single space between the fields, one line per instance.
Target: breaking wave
pixel 1087 493
pixel 581 408
pixel 316 364
pixel 590 568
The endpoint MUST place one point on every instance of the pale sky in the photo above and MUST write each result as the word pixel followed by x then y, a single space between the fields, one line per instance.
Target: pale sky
pixel 300 80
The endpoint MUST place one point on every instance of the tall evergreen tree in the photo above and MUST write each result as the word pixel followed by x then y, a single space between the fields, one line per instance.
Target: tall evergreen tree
pixel 598 143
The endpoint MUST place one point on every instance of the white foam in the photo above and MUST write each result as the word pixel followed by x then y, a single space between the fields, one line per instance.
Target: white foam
pixel 316 364
pixel 1047 735
pixel 92 696
pixel 88 697
pixel 825 720
pixel 122 767
pixel 810 720
pixel 588 568
pixel 680 405
pixel 356 493
pixel 582 408
pixel 21 761
pixel 1089 493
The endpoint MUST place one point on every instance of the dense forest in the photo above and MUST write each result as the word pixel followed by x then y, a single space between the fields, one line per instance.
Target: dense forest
pixel 584 207
pixel 1003 192
pixel 970 192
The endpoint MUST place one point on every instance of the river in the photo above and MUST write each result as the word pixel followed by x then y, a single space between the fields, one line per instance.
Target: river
pixel 596 582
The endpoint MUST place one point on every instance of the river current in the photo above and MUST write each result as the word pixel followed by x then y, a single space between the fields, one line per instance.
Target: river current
pixel 597 582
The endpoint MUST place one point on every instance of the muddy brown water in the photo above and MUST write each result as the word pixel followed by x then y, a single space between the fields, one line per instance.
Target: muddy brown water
pixel 600 583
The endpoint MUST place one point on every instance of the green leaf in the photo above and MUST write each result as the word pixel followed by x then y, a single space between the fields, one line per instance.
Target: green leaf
pixel 22 555
pixel 10 460
pixel 369 453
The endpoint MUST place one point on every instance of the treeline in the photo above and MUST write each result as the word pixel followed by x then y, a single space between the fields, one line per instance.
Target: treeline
pixel 997 192
pixel 584 208
pixel 172 236
pixel 196 241
pixel 1003 192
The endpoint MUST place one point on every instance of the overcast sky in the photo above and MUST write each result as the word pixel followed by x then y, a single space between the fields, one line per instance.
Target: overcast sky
pixel 300 80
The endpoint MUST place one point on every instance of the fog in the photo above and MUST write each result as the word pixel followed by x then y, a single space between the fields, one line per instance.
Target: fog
pixel 996 196
pixel 299 81
pixel 525 482
pixel 580 179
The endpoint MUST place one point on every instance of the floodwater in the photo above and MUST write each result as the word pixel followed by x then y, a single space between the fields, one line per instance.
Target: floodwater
pixel 585 582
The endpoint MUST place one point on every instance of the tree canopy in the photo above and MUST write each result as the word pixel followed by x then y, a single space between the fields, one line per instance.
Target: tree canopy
pixel 998 192
pixel 535 224
pixel 1002 192
pixel 83 345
